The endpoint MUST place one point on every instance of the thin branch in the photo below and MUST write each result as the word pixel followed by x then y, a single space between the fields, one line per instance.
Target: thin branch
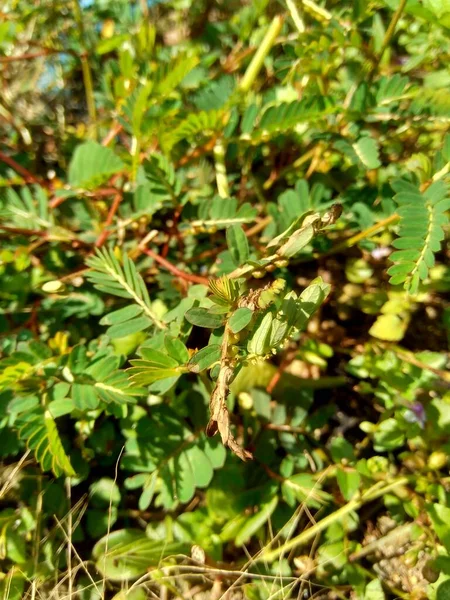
pixel 86 70
pixel 27 175
pixel 351 241
pixel 109 219
pixel 388 36
pixel 175 270
pixel 115 130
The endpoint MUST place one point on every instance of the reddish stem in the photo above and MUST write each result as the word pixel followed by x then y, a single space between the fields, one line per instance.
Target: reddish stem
pixel 115 129
pixel 109 219
pixel 173 231
pixel 27 175
pixel 26 56
pixel 54 202
pixel 175 270
pixel 286 361
pixel 20 231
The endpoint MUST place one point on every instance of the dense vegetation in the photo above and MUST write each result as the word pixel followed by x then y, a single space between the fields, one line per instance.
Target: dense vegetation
pixel 223 327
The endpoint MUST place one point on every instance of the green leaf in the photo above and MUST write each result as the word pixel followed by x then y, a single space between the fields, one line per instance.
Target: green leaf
pixel 104 492
pixel 390 328
pixel 121 315
pixel 421 231
pixel 349 481
pixel 310 300
pixel 366 149
pixel 438 7
pixel 180 460
pixel 440 519
pixel 238 244
pixel 259 343
pixel 158 359
pixel 144 372
pixel 254 523
pixel 240 319
pixel 38 429
pixel 204 358
pixel 128 553
pixel 374 591
pixel 84 396
pixel 129 327
pixel 388 436
pixel 185 480
pixel 176 349
pixel 201 317
pixel 297 241
pixel 92 164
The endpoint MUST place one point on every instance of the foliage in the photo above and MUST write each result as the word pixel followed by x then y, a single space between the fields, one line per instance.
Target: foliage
pixel 223 326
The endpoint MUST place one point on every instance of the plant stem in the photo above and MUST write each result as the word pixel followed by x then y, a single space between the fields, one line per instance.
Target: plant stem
pixel 257 62
pixel 295 15
pixel 388 36
pixel 86 70
pixel 316 10
pixel 109 219
pixel 175 270
pixel 221 170
pixel 307 535
pixel 27 175
pixel 442 173
pixel 351 241
pixel 295 165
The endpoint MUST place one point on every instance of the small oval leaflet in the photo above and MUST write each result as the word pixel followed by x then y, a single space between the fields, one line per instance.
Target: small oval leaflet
pixel 204 318
pixel 240 319
pixel 204 358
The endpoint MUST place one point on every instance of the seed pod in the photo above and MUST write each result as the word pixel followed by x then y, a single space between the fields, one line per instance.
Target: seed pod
pixel 233 351
pixel 258 274
pixel 233 338
pixel 282 262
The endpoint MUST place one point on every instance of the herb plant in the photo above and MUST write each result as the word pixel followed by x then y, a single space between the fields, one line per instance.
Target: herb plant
pixel 223 327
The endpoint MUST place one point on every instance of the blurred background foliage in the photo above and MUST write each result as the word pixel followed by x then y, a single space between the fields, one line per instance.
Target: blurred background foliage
pixel 149 146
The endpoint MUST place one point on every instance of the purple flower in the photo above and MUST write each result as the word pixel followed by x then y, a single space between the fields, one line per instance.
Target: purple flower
pixel 416 414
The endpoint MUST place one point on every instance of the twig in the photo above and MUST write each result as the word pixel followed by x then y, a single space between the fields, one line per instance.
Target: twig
pixel 20 231
pixel 249 233
pixel 27 175
pixel 112 211
pixel 115 129
pixel 175 270
pixel 221 170
pixel 409 357
pixel 263 50
pixel 295 165
pixel 373 493
pixel 387 38
pixel 173 231
pixel 100 193
pixel 86 70
pixel 286 361
pixel 402 532
pixel 351 241
pixel 26 56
